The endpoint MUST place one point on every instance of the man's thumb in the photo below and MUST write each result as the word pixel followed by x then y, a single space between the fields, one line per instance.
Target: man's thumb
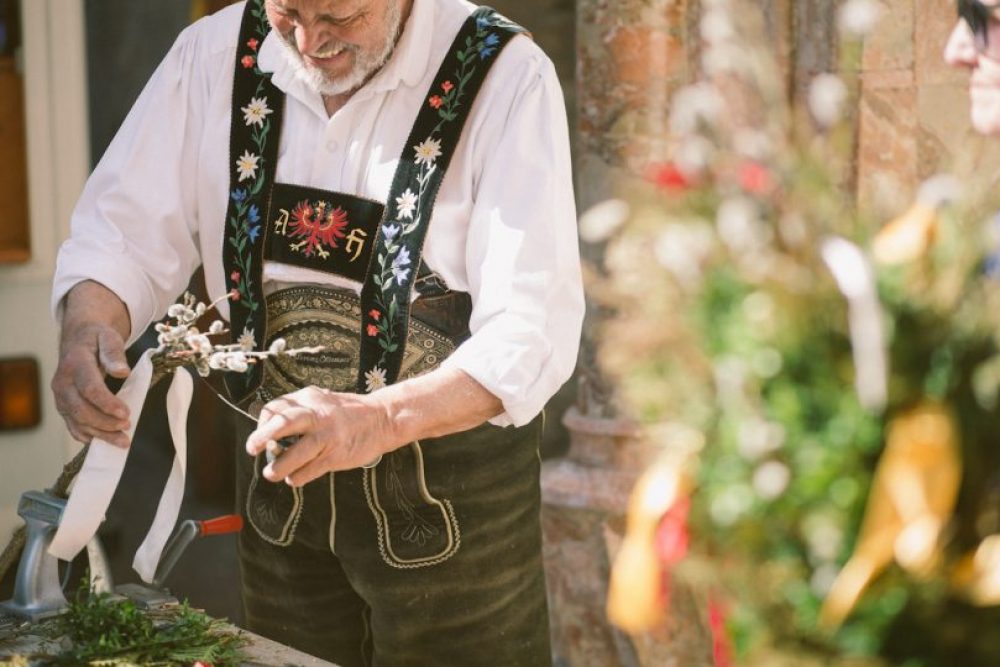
pixel 111 353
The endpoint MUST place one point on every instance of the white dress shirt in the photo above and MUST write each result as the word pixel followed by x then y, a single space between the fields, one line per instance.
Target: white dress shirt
pixel 504 223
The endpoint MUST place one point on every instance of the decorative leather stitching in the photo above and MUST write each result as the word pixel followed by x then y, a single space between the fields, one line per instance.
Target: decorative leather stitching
pixel 381 519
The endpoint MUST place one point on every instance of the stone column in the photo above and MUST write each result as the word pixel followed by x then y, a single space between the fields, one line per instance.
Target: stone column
pixel 631 55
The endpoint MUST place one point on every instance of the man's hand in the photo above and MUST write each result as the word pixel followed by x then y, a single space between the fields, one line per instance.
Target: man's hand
pixel 339 432
pixel 92 345
pixel 345 431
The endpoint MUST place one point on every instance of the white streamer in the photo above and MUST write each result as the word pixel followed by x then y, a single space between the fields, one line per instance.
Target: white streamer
pixel 102 469
pixel 856 280
pixel 178 401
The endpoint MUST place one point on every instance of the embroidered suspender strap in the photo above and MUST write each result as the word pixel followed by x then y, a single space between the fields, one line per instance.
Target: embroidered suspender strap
pixel 385 297
pixel 253 152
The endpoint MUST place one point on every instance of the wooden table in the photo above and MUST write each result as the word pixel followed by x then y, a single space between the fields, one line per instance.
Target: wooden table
pixel 258 651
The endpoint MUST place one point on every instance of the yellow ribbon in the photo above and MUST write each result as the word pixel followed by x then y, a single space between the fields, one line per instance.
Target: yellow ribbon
pixel 978 573
pixel 908 237
pixel 912 496
pixel 635 602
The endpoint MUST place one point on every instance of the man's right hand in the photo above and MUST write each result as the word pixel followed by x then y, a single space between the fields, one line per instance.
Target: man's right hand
pixel 92 346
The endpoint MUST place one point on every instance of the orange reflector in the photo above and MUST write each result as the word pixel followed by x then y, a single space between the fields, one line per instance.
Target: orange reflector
pixel 20 400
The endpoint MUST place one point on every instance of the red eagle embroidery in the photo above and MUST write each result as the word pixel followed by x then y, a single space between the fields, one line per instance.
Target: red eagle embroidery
pixel 318 226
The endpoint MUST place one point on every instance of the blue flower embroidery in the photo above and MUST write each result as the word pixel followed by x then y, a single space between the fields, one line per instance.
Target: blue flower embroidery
pixel 239 196
pixel 402 259
pixel 253 222
pixel 482 23
pixel 389 232
pixel 489 46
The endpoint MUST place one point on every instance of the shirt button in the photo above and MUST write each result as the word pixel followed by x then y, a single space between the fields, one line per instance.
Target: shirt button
pixel 332 145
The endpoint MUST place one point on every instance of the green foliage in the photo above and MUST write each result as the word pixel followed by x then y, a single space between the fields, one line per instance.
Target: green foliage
pixel 107 630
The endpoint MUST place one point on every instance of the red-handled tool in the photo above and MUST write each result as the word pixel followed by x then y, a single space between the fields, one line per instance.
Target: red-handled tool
pixel 186 533
pixel 229 523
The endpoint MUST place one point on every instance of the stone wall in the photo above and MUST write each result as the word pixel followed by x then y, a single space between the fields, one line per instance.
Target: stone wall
pixel 914 108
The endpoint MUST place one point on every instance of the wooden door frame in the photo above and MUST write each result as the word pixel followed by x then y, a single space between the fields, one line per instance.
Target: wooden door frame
pixel 56 122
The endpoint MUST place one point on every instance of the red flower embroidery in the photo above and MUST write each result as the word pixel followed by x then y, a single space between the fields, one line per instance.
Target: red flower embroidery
pixel 247 61
pixel 372 330
pixel 253 43
pixel 235 276
pixel 234 294
pixel 447 86
pixel 668 176
pixel 374 314
pixel 435 101
pixel 755 178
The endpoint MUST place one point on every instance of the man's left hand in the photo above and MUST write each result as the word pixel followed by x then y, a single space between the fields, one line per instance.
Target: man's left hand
pixel 339 431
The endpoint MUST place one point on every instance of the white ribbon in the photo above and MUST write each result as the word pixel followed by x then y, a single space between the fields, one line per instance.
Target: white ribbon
pixel 855 277
pixel 148 555
pixel 102 470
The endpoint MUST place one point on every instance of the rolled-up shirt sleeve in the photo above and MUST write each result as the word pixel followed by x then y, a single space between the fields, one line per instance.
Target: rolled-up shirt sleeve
pixel 522 257
pixel 134 227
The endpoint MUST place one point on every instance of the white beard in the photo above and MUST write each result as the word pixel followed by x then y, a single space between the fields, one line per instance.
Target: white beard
pixel 365 64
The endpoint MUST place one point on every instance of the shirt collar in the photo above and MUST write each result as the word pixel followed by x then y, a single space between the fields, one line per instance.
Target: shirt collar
pixel 407 65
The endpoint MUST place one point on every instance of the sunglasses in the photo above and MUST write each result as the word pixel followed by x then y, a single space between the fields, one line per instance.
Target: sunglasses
pixel 978 16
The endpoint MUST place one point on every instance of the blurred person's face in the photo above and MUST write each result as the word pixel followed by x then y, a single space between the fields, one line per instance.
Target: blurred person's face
pixel 336 45
pixel 975 45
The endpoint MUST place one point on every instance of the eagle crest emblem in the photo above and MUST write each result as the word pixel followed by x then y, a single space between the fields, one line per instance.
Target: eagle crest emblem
pixel 318 225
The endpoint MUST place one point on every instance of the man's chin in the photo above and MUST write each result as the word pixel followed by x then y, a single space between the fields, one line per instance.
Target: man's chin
pixel 321 82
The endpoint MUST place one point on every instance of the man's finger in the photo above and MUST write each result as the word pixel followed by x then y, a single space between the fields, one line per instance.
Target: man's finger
pixel 278 406
pixel 116 438
pixel 111 353
pixel 90 385
pixel 302 453
pixel 293 421
pixel 83 413
pixel 77 434
pixel 314 469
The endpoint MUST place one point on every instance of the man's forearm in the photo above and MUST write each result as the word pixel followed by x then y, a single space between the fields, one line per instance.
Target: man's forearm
pixel 441 402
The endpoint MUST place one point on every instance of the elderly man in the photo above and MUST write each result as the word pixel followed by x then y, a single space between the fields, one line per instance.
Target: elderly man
pixel 389 179
pixel 974 44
